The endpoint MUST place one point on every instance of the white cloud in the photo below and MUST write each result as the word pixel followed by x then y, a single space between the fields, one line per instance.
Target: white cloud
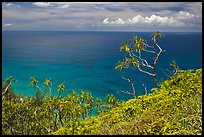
pixel 42 4
pixel 123 15
pixel 49 4
pixel 64 6
pixel 105 21
pixel 12 5
pixel 7 25
pixel 136 19
pixel 90 3
pixel 180 18
pixel 9 4
pixel 152 20
pixel 185 15
pixel 60 5
pixel 119 21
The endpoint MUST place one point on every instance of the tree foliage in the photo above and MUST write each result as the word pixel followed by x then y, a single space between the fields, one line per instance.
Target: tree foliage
pixel 43 113
pixel 133 59
pixel 173 109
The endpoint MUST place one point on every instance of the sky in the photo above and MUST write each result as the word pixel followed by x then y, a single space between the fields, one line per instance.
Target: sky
pixel 103 16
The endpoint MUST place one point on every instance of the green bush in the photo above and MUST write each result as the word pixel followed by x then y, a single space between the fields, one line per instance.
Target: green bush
pixel 43 113
pixel 173 109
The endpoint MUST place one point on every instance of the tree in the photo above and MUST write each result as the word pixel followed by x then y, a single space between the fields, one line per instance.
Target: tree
pixel 48 83
pixel 60 88
pixel 133 58
pixel 43 114
pixel 7 84
pixel 176 69
pixel 33 82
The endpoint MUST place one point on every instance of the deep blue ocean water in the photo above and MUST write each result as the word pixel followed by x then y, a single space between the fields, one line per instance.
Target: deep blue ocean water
pixel 86 60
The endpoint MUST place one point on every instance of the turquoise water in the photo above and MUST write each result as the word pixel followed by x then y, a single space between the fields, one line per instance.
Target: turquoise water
pixel 85 60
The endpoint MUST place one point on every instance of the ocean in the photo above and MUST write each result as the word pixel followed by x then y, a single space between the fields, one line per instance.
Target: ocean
pixel 86 59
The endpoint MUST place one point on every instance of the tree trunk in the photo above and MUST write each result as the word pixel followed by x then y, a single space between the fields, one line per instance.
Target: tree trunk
pixel 155 81
pixel 155 76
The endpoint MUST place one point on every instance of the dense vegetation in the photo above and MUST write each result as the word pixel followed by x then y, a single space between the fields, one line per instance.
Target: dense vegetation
pixel 44 112
pixel 173 109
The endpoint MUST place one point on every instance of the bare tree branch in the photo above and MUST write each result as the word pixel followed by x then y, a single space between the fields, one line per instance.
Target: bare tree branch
pixel 143 61
pixel 126 92
pixel 39 88
pixel 158 54
pixel 146 45
pixel 7 87
pixel 132 85
pixel 149 51
pixel 146 63
pixel 155 61
pixel 49 118
pixel 165 73
pixel 41 123
pixel 169 71
pixel 145 88
pixel 50 90
pixel 13 128
pixel 176 70
pixel 20 116
pixel 151 74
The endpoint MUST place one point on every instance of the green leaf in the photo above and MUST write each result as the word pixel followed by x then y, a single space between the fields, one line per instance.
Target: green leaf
pixel 127 61
pixel 134 62
pixel 125 47
pixel 61 87
pixel 48 82
pixel 138 44
pixel 156 35
pixel 33 81
pixel 120 66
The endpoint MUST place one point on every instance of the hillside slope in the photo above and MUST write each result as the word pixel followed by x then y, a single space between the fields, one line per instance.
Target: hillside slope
pixel 175 108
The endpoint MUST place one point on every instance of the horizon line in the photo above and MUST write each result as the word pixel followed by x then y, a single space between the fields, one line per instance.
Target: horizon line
pixel 103 30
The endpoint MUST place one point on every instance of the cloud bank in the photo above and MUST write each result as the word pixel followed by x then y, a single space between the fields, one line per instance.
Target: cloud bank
pixel 178 19
pixel 51 4
pixel 137 16
pixel 41 4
